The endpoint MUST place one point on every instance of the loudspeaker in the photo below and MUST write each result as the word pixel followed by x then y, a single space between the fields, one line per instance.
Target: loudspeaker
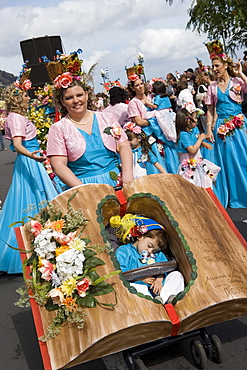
pixel 33 49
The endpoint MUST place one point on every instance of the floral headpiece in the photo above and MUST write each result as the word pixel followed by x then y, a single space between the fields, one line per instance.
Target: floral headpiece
pixel 202 67
pixel 215 49
pixel 64 80
pixel 133 77
pixel 23 83
pixel 131 226
pixel 192 109
pixel 131 126
pixel 65 66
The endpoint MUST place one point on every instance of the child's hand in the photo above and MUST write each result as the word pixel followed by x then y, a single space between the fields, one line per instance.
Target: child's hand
pixel 202 136
pixel 157 285
pixel 207 145
pixel 149 280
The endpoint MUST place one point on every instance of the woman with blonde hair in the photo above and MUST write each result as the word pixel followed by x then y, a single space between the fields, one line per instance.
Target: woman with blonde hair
pixel 31 185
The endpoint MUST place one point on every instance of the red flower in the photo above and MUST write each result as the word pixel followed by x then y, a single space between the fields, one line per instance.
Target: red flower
pixel 82 286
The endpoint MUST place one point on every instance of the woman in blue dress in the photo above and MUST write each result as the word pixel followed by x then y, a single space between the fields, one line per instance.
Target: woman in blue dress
pixel 229 133
pixel 139 111
pixel 85 146
pixel 31 186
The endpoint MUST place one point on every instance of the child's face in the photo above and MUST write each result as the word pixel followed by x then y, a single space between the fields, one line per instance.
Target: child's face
pixel 192 123
pixel 135 142
pixel 147 244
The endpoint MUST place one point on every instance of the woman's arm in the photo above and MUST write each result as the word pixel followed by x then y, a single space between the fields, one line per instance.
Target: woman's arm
pixel 17 142
pixel 59 166
pixel 192 149
pixel 210 123
pixel 126 157
pixel 140 121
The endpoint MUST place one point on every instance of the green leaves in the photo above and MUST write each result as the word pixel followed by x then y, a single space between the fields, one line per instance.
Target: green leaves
pixel 220 19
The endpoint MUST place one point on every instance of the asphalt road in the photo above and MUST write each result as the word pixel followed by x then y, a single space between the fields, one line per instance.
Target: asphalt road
pixel 19 345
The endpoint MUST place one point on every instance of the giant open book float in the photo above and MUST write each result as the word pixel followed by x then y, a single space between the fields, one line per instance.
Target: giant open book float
pixel 209 251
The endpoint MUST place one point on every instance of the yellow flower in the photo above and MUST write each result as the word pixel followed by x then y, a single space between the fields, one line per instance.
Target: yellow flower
pixel 68 286
pixel 77 244
pixel 61 249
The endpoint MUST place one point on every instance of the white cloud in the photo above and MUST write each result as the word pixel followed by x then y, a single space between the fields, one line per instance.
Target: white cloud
pixel 110 32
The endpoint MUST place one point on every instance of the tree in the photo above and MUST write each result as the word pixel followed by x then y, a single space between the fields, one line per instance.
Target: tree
pixel 220 19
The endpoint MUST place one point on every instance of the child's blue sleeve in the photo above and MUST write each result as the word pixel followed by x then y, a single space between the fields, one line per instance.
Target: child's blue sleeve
pixel 122 257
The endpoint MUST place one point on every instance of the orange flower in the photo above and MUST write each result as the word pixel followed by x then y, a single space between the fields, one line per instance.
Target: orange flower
pixel 70 304
pixel 56 225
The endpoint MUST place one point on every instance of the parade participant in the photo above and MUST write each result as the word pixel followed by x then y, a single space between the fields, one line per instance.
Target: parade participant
pixel 229 133
pixel 118 104
pixel 144 160
pixel 193 167
pixel 165 120
pixel 83 146
pixel 140 111
pixel 31 185
pixel 148 244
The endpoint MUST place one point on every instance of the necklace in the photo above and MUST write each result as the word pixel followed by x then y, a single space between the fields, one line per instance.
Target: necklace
pixel 82 123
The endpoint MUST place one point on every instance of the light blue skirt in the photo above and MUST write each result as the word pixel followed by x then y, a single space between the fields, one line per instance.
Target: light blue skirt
pixel 29 191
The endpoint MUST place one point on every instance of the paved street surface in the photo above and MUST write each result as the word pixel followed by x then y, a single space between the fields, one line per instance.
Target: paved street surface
pixel 19 345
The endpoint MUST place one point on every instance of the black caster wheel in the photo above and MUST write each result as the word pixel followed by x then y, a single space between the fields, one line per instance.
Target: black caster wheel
pixel 217 349
pixel 140 364
pixel 198 354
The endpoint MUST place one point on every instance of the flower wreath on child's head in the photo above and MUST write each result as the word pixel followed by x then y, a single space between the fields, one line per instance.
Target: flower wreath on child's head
pixel 131 126
pixel 133 226
pixel 191 109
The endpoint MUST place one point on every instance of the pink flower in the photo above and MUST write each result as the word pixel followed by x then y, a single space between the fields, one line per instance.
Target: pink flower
pixel 36 227
pixel 116 131
pixel 82 286
pixel 222 130
pixel 63 80
pixel 46 269
pixel 57 296
pixel 230 125
pixel 64 239
pixel 133 77
pixel 131 126
pixel 27 84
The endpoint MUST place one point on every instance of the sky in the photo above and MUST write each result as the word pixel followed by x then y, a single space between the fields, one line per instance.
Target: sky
pixel 110 33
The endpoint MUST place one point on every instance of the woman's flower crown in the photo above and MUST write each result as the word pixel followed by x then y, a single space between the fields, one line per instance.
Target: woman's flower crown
pixel 23 82
pixel 133 77
pixel 131 126
pixel 64 80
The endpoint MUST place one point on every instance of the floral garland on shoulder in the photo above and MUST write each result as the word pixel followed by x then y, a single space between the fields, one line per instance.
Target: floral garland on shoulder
pixel 230 125
pixel 63 275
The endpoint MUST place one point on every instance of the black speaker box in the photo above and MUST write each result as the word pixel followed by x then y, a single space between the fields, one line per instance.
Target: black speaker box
pixel 33 49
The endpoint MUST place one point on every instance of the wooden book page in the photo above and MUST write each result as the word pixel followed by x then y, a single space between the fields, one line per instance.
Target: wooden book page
pixel 133 321
pixel 219 292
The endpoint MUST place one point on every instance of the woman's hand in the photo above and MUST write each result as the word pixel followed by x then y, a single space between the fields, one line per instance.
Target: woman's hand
pixel 210 136
pixel 37 158
pixel 237 68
